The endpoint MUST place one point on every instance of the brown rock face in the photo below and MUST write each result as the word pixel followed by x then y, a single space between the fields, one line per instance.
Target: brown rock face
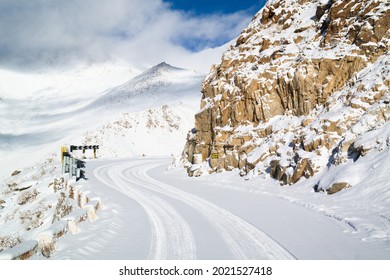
pixel 292 86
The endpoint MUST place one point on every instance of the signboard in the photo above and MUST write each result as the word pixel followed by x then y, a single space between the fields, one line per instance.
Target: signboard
pixel 73 147
pixel 214 156
pixel 72 165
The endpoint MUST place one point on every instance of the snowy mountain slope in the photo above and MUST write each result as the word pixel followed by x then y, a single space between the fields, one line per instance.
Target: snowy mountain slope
pixel 43 123
pixel 152 113
pixel 160 84
pixel 38 108
pixel 146 115
pixel 80 80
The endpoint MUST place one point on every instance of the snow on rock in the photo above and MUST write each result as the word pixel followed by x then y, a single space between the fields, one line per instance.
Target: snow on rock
pixel 38 206
pixel 310 79
pixel 154 132
pixel 21 251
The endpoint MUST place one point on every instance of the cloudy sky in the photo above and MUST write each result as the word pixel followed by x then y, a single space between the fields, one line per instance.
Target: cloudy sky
pixel 142 32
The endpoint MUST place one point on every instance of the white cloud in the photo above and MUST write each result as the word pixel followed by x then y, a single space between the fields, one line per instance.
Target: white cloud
pixel 144 32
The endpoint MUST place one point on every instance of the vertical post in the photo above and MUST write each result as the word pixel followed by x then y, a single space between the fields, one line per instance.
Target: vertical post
pixel 94 152
pixel 64 150
pixel 73 167
pixel 65 166
pixel 68 163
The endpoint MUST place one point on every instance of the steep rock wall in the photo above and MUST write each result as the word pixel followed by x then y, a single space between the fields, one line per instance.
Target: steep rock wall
pixel 286 97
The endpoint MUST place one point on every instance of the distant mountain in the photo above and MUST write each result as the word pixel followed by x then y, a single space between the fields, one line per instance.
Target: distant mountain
pixel 67 107
pixel 152 113
pixel 157 82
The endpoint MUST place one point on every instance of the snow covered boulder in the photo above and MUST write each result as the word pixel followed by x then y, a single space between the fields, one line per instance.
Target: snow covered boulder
pixel 21 251
pixel 336 187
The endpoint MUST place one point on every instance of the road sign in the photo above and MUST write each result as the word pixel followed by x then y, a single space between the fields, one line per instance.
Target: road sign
pixel 214 156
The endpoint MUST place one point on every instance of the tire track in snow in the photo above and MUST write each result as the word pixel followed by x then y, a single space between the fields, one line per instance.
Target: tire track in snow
pixel 245 240
pixel 171 236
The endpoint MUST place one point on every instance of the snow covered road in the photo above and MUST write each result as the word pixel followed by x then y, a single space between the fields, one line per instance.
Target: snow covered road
pixel 171 235
pixel 151 214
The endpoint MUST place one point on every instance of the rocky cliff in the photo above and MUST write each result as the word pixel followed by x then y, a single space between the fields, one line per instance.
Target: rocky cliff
pixel 300 90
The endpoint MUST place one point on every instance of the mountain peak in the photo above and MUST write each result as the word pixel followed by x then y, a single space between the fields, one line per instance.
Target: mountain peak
pixel 166 67
pixel 163 64
pixel 160 71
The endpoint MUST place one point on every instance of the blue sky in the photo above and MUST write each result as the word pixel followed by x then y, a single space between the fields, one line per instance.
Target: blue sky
pixel 142 32
pixel 200 7
pixel 204 8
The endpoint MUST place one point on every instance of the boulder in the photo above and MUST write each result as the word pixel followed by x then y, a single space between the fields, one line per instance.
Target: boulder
pixel 336 187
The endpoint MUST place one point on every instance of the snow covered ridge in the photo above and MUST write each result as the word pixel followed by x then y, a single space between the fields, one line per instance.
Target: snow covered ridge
pixel 160 79
pixel 306 88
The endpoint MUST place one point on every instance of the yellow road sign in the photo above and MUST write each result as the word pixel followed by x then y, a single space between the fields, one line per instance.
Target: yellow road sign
pixel 214 156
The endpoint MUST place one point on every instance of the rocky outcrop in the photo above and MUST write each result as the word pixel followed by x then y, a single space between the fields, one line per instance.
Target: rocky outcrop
pixel 286 98
pixel 336 187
